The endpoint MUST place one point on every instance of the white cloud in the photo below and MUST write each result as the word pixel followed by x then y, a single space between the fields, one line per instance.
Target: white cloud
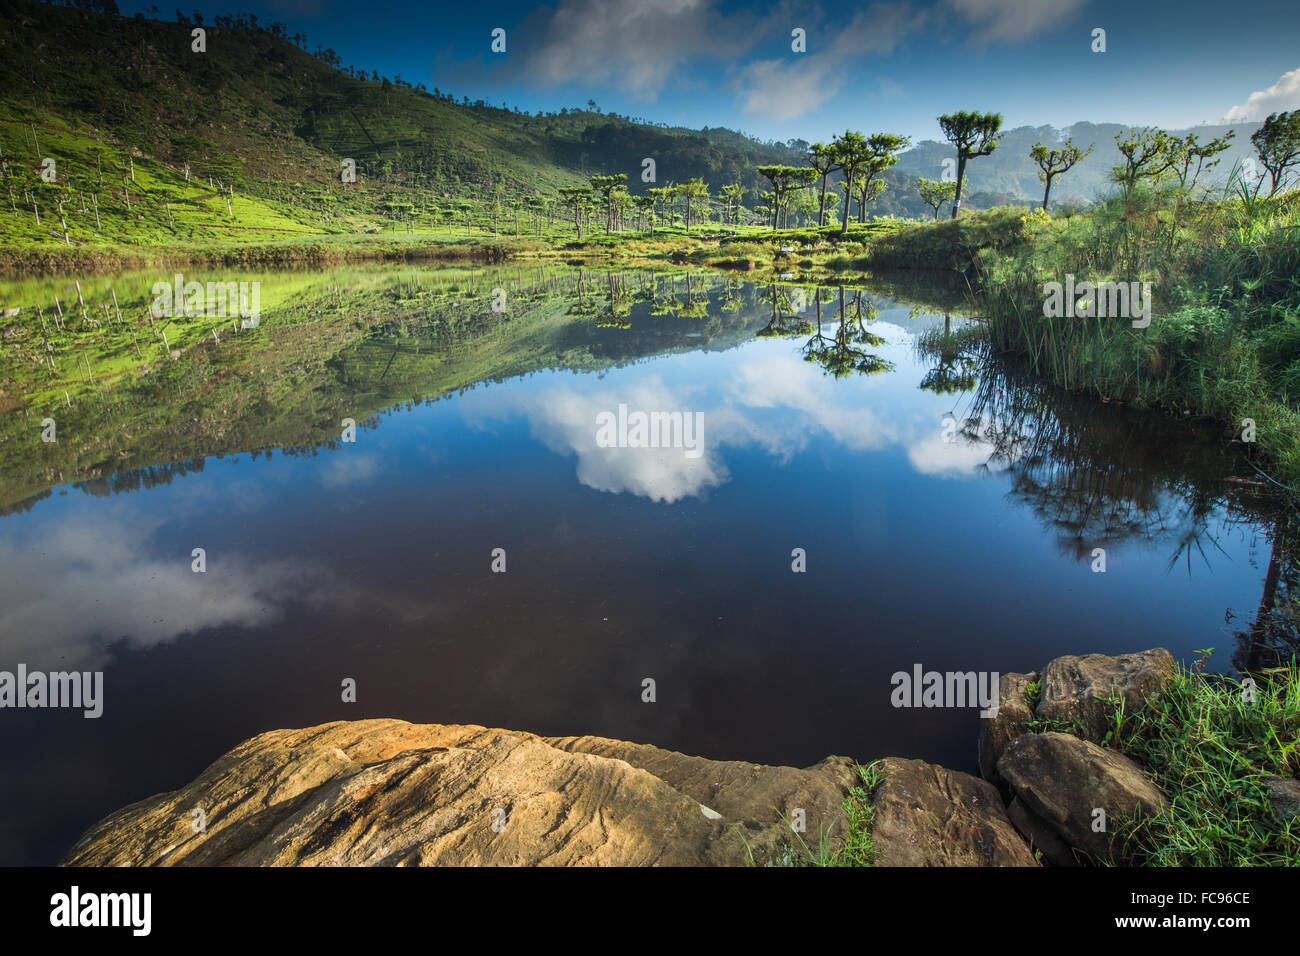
pixel 889 87
pixel 786 88
pixel 96 576
pixel 1009 20
pixel 342 469
pixel 565 421
pixel 91 578
pixel 775 402
pixel 1281 96
pixel 635 44
pixel 931 455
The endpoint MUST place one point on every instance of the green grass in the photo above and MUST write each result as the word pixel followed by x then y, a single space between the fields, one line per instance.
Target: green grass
pixel 1206 744
pixel 857 848
pixel 1224 338
pixel 125 109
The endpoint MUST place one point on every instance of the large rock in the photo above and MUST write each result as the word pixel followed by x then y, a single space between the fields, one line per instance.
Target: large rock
pixel 1072 687
pixel 1012 719
pixel 926 815
pixel 738 790
pixel 1063 780
pixel 1042 838
pixel 386 792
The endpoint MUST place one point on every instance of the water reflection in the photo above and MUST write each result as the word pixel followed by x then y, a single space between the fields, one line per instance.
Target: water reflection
pixel 1104 477
pixel 824 416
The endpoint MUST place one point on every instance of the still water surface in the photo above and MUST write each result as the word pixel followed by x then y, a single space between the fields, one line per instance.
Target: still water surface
pixel 372 560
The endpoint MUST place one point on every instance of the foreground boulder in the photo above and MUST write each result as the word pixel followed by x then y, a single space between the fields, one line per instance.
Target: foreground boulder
pixel 391 793
pixel 1015 712
pixel 926 815
pixel 739 790
pixel 1073 688
pixel 1061 782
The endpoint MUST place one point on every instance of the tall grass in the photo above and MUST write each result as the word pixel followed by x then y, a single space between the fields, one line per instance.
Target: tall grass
pixel 1208 743
pixel 1224 340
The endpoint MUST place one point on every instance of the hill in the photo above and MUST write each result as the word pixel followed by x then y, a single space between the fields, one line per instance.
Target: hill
pixel 151 141
pixel 150 138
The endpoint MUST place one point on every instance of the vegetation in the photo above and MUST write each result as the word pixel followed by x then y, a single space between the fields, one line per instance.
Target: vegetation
pixel 934 193
pixel 1053 162
pixel 1278 143
pixel 973 135
pixel 1208 742
pixel 1224 335
pixel 856 847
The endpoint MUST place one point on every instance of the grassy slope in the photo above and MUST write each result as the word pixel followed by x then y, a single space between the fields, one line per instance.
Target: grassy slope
pixel 260 115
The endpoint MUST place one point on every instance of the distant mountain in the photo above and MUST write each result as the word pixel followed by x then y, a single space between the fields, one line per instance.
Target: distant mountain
pixel 1010 172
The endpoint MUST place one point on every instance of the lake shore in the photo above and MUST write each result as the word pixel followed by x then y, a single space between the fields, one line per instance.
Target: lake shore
pixel 1066 784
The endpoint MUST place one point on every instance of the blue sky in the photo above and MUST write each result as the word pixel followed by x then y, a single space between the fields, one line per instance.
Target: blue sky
pixel 872 66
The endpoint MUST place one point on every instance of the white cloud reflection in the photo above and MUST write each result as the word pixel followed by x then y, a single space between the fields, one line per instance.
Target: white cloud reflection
pixel 769 399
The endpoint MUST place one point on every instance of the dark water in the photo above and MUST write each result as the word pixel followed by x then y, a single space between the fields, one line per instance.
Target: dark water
pixel 372 560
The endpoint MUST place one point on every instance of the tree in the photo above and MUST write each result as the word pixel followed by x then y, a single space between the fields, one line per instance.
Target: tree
pixel 934 192
pixel 605 186
pixel 783 180
pixel 1053 162
pixel 663 194
pixel 577 197
pixel 731 197
pixel 690 191
pixel 645 207
pixel 851 152
pixel 1148 153
pixel 1278 145
pixel 884 147
pixel 974 135
pixel 822 159
pixel 1190 149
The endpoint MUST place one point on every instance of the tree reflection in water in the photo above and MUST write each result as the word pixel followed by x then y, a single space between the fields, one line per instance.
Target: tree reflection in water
pixel 1101 476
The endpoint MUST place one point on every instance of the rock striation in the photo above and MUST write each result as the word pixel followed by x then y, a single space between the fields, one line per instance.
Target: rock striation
pixel 391 793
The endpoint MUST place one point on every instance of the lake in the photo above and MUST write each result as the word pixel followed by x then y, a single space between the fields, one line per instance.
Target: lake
pixel 946 508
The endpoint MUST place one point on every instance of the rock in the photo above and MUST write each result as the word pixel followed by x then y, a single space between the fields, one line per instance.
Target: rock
pixel 1013 717
pixel 387 792
pixel 1062 780
pixel 738 790
pixel 926 815
pixel 1041 837
pixel 1284 796
pixel 1072 686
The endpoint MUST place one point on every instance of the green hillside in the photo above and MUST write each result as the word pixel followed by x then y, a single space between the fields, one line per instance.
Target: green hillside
pixel 152 142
